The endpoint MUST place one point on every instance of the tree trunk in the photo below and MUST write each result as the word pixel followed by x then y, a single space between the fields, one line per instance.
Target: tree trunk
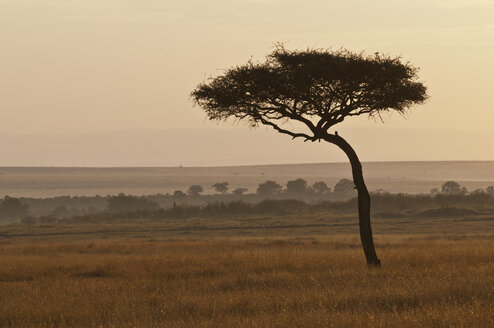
pixel 363 199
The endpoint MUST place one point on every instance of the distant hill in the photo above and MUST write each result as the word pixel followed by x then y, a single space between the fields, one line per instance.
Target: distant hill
pixel 409 177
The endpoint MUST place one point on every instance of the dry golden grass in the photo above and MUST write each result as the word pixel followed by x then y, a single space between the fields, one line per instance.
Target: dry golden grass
pixel 248 282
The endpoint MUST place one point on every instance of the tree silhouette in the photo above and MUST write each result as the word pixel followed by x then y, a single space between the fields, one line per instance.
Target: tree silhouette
pixel 12 209
pixel 195 190
pixel 221 187
pixel 296 187
pixel 128 203
pixel 345 188
pixel 268 188
pixel 179 194
pixel 453 188
pixel 314 90
pixel 239 191
pixel 321 187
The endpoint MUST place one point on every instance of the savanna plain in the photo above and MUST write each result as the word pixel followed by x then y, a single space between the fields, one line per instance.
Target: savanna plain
pixel 258 271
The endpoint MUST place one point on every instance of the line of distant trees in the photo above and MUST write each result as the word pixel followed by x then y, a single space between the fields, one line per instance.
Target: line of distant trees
pixel 385 205
pixel 15 209
pixel 269 188
pixel 344 187
pixel 454 188
pixel 12 209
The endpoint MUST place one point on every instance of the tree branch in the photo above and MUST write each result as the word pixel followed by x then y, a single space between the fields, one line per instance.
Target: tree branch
pixel 292 134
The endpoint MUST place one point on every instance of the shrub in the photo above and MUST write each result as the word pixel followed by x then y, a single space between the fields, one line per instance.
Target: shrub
pixel 124 203
pixel 268 188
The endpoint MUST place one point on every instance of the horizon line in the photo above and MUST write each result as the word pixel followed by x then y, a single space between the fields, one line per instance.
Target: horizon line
pixel 236 165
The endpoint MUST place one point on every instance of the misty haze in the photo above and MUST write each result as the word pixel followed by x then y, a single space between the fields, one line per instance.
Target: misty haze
pixel 405 177
pixel 253 163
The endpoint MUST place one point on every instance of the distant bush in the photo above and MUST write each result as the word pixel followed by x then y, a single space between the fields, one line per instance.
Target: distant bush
pixel 179 194
pixel 268 188
pixel 296 187
pixel 195 190
pixel 239 191
pixel 126 203
pixel 383 205
pixel 453 188
pixel 60 212
pixel 12 209
pixel 28 220
pixel 447 212
pixel 221 187
pixel 321 187
pixel 229 208
pixel 344 188
pixel 280 207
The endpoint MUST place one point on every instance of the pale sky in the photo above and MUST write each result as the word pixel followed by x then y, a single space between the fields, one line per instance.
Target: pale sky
pixel 107 83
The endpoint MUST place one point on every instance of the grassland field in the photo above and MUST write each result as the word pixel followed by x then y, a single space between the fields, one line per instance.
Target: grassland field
pixel 279 271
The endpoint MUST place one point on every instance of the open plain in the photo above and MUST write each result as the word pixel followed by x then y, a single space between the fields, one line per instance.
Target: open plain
pixel 280 271
pixel 186 164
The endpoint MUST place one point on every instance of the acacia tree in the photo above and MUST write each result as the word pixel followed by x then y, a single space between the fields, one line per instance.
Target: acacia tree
pixel 321 187
pixel 239 191
pixel 298 186
pixel 268 188
pixel 344 187
pixel 221 187
pixel 195 190
pixel 314 90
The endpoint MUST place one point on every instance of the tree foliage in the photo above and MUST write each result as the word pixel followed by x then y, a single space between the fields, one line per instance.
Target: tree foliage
pixel 13 209
pixel 179 194
pixel 344 187
pixel 453 188
pixel 296 187
pixel 195 190
pixel 221 187
pixel 268 188
pixel 239 191
pixel 317 88
pixel 128 203
pixel 321 187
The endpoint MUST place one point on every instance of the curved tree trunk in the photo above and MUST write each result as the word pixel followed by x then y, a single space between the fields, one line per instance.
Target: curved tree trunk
pixel 363 199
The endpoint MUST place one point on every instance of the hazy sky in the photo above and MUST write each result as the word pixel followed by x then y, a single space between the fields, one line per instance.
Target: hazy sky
pixel 103 82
